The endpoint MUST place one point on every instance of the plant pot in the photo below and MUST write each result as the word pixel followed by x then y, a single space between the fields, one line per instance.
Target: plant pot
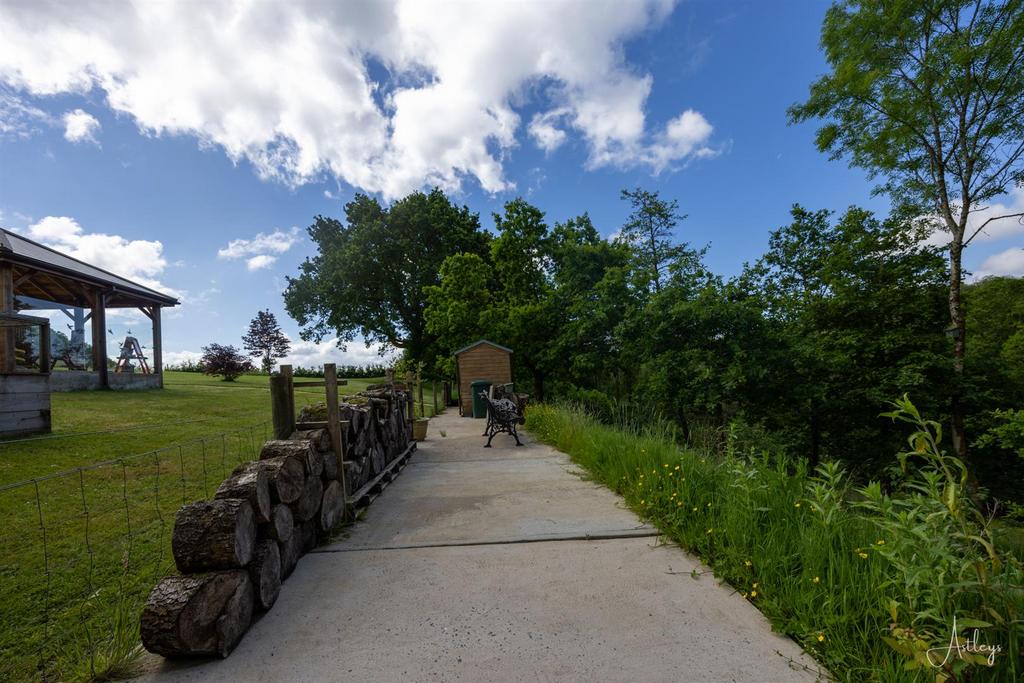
pixel 419 429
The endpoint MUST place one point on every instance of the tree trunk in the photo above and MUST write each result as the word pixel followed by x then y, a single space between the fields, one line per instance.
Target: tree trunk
pixel 252 483
pixel 216 534
pixel 287 476
pixel 197 614
pixel 280 526
pixel 265 572
pixel 332 507
pixel 959 329
pixel 306 507
pixel 303 450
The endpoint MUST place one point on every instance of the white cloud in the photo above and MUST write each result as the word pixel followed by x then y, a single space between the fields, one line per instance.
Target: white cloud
pixel 1009 262
pixel 309 355
pixel 179 357
pixel 80 126
pixel 287 86
pixel 130 258
pixel 141 261
pixel 313 354
pixel 260 261
pixel 545 130
pixel 19 119
pixel 260 251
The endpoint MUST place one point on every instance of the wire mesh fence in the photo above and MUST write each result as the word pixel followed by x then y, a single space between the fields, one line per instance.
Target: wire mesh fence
pixel 80 550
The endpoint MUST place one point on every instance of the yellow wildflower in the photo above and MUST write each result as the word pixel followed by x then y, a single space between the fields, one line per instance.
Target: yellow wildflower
pixel 677 467
pixel 880 542
pixel 862 556
pixel 755 585
pixel 709 504
pixel 694 509
pixel 748 563
pixel 679 504
pixel 816 579
pixel 796 505
pixel 821 637
pixel 753 594
pixel 710 530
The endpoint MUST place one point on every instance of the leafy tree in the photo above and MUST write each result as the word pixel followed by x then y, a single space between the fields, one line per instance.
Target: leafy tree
pixel 224 361
pixel 929 96
pixel 265 339
pixel 860 306
pixel 369 274
pixel 650 231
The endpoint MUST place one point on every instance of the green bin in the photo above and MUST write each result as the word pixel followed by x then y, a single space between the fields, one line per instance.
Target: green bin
pixel 479 407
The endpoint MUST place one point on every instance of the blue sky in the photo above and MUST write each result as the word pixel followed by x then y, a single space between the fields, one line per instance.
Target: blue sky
pixel 124 144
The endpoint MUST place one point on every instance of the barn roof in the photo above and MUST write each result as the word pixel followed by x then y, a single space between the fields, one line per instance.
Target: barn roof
pixel 17 249
pixel 482 341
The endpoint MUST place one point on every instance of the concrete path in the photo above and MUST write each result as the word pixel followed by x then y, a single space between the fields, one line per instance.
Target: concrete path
pixel 501 564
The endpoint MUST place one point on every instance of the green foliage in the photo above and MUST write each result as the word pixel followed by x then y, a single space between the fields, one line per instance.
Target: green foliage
pixel 265 340
pixel 368 277
pixel 650 232
pixel 861 580
pixel 926 94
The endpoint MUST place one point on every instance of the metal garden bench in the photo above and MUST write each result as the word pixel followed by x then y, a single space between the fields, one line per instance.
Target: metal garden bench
pixel 502 418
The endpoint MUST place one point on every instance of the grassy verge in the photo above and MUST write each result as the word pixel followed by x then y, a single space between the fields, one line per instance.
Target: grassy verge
pixel 865 587
pixel 81 548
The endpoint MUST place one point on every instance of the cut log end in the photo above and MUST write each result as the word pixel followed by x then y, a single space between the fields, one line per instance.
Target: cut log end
pixel 197 614
pixel 215 534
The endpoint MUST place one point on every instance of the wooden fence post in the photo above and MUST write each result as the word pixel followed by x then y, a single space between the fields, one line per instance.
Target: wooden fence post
pixel 419 387
pixel 334 419
pixel 433 387
pixel 280 407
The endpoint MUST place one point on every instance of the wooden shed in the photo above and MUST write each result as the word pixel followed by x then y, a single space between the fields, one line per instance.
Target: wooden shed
pixel 481 360
pixel 24 374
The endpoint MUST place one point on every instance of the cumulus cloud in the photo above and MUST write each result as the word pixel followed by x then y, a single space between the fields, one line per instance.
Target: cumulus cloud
pixel 313 354
pixel 80 126
pixel 260 251
pixel 141 261
pixel 309 355
pixel 287 87
pixel 1009 262
pixel 260 261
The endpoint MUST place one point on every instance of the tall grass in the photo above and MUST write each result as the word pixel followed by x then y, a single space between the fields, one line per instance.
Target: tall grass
pixel 865 581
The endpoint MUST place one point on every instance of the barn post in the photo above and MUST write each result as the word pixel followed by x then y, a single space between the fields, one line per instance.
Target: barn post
pixel 99 337
pixel 158 345
pixel 6 306
pixel 284 422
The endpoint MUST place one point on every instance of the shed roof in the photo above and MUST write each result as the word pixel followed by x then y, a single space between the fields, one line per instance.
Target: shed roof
pixel 17 249
pixel 483 341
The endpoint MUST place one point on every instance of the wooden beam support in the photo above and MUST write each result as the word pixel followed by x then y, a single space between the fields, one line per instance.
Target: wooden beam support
pixel 7 355
pixel 99 337
pixel 158 344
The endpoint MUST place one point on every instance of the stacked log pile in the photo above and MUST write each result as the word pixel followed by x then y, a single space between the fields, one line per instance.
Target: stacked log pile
pixel 234 551
pixel 378 431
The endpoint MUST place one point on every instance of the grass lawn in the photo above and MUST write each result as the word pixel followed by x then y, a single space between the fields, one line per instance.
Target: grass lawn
pixel 82 544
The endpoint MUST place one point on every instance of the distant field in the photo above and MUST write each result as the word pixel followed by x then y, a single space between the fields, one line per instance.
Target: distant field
pixel 190 406
pixel 80 549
